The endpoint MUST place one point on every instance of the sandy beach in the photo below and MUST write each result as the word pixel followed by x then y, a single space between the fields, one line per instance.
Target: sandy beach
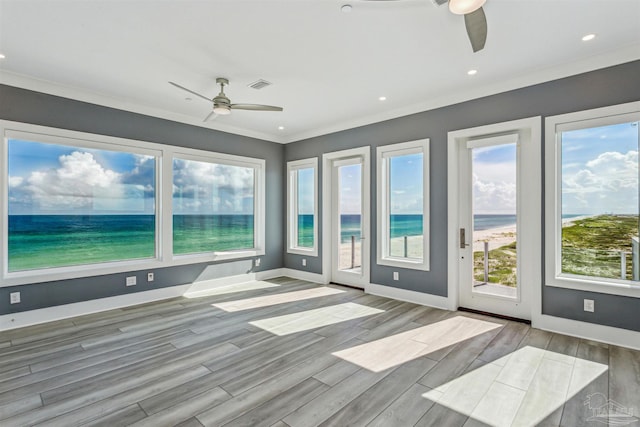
pixel 502 236
pixel 497 237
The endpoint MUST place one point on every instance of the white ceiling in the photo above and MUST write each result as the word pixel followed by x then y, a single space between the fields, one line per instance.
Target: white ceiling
pixel 328 68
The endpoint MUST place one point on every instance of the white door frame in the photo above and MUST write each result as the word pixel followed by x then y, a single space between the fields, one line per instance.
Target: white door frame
pixel 530 187
pixel 327 209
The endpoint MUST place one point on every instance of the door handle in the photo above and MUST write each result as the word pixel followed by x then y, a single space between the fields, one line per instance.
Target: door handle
pixel 463 239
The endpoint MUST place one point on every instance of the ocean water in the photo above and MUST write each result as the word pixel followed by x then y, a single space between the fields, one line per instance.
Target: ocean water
pixel 485 222
pixel 44 241
pixel 305 231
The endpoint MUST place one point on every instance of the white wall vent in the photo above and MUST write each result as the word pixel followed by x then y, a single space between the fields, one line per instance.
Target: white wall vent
pixel 259 84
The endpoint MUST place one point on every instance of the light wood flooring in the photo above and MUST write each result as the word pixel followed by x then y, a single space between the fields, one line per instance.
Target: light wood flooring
pixel 290 353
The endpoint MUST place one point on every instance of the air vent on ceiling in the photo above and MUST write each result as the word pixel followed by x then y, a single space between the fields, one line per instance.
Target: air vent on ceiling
pixel 259 84
pixel 439 2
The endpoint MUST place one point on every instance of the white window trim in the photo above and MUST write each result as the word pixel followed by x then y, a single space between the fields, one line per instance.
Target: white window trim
pixel 382 154
pixel 292 206
pixel 553 192
pixel 164 185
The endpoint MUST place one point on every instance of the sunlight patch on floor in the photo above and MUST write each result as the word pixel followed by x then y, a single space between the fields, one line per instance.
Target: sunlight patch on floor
pixel 316 318
pixel 193 292
pixel 522 388
pixel 268 300
pixel 400 348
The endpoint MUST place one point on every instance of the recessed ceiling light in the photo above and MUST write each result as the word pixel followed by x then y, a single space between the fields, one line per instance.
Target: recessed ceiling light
pixel 472 72
pixel 588 37
pixel 280 127
pixel 346 8
pixel 382 98
pixel 2 56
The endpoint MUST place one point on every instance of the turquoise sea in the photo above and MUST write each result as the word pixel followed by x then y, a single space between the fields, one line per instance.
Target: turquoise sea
pixel 43 241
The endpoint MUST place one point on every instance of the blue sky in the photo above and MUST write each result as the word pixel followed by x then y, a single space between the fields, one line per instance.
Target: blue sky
pixel 600 170
pixel 208 188
pixel 494 180
pixel 406 185
pixel 57 179
pixel 305 191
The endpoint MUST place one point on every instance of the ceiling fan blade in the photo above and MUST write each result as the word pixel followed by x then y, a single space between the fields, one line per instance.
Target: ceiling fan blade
pixel 190 91
pixel 255 107
pixel 206 119
pixel 476 23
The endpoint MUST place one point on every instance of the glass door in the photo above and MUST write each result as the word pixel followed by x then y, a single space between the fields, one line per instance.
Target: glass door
pixel 349 219
pixel 490 225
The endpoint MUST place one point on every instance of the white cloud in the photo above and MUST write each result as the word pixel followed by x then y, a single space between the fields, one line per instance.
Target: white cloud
pixel 15 181
pixel 494 188
pixel 608 183
pixel 79 183
pixel 212 188
pixel 72 185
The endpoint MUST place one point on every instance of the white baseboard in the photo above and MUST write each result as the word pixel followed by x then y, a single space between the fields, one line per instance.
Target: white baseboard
pixel 589 331
pixel 408 296
pixel 60 312
pixel 304 275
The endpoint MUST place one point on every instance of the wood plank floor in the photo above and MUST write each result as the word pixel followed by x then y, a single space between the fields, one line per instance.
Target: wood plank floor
pixel 289 353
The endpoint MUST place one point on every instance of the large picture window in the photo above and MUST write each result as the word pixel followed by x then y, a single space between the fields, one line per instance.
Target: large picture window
pixel 594 159
pixel 213 207
pixel 302 177
pixel 403 200
pixel 77 204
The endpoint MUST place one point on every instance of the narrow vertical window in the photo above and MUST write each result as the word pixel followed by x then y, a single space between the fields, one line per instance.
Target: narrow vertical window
pixel 403 205
pixel 302 207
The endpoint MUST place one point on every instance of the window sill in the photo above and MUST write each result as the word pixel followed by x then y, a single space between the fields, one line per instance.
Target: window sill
pixel 300 251
pixel 27 277
pixel 404 263
pixel 611 287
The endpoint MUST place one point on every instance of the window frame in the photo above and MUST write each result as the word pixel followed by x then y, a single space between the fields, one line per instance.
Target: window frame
pixel 292 206
pixel 258 165
pixel 554 126
pixel 164 155
pixel 383 154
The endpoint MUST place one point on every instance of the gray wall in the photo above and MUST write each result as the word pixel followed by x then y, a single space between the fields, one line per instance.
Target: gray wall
pixel 47 110
pixel 599 88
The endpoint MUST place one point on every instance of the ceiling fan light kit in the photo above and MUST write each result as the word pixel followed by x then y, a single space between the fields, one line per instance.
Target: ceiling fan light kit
pixel 462 7
pixel 475 20
pixel 222 105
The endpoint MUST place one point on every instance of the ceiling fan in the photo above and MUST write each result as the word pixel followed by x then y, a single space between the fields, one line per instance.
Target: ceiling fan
pixel 222 105
pixel 474 19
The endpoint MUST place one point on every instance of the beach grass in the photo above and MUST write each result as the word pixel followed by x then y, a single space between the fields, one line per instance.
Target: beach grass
pixel 502 265
pixel 591 246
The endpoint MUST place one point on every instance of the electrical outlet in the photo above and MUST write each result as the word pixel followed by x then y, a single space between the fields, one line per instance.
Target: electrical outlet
pixel 396 275
pixel 14 297
pixel 131 281
pixel 257 262
pixel 304 262
pixel 150 277
pixel 589 305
